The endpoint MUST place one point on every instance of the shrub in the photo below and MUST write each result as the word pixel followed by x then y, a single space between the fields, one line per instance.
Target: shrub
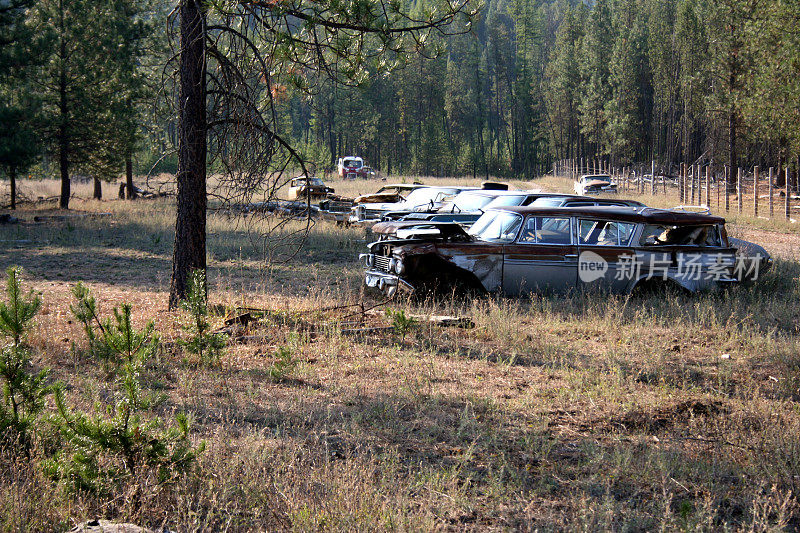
pixel 23 392
pixel 114 341
pixel 117 446
pixel 284 364
pixel 204 343
pixel 401 322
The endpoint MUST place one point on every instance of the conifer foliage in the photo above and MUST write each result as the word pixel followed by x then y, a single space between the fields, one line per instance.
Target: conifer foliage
pixel 203 342
pixel 113 340
pixel 23 390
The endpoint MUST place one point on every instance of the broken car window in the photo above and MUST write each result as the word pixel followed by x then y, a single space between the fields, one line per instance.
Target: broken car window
pixel 546 230
pixel 659 235
pixel 497 227
pixel 605 233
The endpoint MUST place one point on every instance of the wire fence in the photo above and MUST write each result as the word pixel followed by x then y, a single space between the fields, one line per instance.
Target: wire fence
pixel 763 193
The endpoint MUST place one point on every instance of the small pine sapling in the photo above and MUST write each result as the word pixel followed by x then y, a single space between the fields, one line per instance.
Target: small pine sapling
pixel 117 446
pixel 131 346
pixel 284 364
pixel 114 341
pixel 23 392
pixel 401 322
pixel 85 311
pixel 203 342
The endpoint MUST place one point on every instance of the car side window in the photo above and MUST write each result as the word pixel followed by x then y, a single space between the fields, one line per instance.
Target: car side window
pixel 546 230
pixel 605 233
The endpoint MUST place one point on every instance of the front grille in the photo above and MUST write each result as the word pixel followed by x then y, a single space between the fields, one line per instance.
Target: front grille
pixel 381 262
pixel 369 214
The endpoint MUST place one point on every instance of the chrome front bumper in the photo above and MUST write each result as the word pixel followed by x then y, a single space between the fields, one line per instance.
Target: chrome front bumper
pixel 389 284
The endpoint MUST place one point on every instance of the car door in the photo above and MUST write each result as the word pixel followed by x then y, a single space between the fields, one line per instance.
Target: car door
pixel 604 251
pixel 543 258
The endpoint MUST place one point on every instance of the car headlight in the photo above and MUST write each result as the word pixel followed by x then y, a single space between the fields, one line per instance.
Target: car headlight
pixel 399 267
pixel 370 260
pixel 392 263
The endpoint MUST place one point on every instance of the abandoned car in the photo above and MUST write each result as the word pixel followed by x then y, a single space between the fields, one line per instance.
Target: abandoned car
pixel 303 187
pixel 465 207
pixel 518 250
pixel 465 210
pixel 350 167
pixel 423 198
pixel 395 192
pixel 594 184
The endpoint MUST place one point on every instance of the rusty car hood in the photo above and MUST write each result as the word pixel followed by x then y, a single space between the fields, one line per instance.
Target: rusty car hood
pixel 379 197
pixel 597 183
pixel 445 229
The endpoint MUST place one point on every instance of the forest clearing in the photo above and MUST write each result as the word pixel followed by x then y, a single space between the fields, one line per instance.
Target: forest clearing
pixel 553 412
pixel 229 306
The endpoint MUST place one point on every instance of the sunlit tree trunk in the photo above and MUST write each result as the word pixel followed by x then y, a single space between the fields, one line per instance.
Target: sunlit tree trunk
pixel 190 226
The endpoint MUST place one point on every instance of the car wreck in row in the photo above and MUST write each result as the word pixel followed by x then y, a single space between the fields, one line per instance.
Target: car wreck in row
pixel 519 250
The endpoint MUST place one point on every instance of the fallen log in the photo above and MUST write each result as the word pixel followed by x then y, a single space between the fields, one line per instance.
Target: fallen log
pixel 71 216
pixel 444 321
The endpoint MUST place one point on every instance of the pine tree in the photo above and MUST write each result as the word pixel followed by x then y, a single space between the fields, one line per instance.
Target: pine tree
pixel 562 82
pixel 23 391
pixel 626 112
pixel 20 49
pixel 596 88
pixel 692 48
pixel 86 86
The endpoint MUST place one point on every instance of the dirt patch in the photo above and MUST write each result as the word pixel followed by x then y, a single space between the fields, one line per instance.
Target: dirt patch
pixel 668 416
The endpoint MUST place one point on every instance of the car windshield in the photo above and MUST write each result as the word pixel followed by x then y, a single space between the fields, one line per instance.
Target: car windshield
pixel 466 201
pixel 426 195
pixel 353 163
pixel 507 200
pixel 597 177
pixel 496 226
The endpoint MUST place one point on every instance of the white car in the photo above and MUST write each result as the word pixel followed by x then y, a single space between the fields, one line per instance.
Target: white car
pixel 594 184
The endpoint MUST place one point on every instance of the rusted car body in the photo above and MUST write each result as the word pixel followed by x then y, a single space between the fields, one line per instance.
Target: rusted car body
pixel 594 184
pixel 395 192
pixel 458 211
pixel 303 187
pixel 519 250
pixel 423 198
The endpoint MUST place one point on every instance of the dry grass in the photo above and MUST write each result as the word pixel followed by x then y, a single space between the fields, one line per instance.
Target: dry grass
pixel 582 412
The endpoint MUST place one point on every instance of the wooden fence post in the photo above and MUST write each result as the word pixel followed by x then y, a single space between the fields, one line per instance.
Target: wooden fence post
pixel 653 177
pixel 755 192
pixel 771 207
pixel 680 183
pixel 788 190
pixel 738 191
pixel 708 187
pixel 728 181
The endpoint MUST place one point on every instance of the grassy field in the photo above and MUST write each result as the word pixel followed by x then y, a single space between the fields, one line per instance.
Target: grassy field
pixel 552 413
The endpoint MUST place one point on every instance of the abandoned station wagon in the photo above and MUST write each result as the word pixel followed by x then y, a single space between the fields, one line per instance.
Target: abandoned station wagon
pixel 516 250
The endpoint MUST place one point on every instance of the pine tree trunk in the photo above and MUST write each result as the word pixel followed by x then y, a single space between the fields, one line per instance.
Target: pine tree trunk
pixel 190 225
pixel 63 139
pixel 98 189
pixel 130 193
pixel 12 174
pixel 63 165
pixel 732 148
